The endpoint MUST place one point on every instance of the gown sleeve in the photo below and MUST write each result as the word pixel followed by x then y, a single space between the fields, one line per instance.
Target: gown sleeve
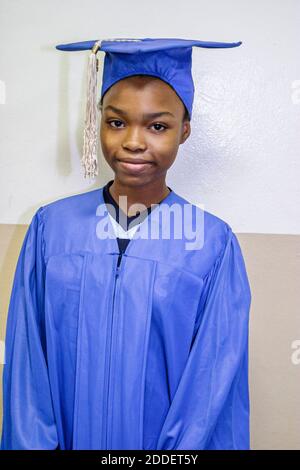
pixel 210 408
pixel 28 418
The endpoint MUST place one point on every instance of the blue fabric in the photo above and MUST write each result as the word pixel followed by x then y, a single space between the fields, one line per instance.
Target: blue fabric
pixel 150 355
pixel 169 59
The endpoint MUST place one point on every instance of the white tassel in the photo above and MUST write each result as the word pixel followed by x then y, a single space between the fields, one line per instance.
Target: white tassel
pixel 90 137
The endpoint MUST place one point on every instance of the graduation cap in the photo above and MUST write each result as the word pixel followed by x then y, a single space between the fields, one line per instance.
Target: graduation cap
pixel 169 59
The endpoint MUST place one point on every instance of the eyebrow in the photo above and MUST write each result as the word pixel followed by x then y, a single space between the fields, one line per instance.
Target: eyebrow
pixel 146 115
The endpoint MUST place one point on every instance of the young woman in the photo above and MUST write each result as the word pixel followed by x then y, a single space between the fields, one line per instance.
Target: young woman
pixel 128 320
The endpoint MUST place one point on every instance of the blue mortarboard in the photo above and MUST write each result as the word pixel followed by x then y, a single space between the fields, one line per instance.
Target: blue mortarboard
pixel 169 59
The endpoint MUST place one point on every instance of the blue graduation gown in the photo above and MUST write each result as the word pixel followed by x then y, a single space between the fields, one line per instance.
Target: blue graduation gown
pixel 150 354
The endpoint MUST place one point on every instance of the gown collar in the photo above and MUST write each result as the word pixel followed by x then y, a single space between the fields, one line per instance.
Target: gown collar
pixel 153 221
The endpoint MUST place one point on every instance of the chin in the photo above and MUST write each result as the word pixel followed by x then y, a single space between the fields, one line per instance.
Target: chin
pixel 132 180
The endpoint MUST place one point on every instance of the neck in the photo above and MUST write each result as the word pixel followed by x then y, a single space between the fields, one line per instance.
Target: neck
pixel 146 195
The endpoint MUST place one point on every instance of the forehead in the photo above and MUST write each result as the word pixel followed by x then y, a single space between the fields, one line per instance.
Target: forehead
pixel 143 89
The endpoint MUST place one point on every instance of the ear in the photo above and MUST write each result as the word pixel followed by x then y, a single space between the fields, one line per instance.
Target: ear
pixel 186 131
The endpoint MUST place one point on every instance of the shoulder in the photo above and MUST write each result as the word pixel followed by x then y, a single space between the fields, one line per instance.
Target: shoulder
pixel 67 208
pixel 213 231
pixel 215 228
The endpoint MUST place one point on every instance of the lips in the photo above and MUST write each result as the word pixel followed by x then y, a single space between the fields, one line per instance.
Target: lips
pixel 134 161
pixel 135 166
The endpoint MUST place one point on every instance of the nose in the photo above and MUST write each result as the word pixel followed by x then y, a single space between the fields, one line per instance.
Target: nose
pixel 134 140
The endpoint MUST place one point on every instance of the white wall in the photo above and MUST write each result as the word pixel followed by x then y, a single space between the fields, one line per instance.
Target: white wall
pixel 241 160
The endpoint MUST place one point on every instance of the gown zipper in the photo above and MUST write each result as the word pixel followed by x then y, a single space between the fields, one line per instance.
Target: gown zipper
pixel 117 272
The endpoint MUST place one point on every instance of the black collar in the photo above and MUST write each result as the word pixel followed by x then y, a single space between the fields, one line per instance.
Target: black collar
pixel 140 216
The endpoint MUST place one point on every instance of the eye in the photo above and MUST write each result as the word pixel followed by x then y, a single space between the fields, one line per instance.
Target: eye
pixel 115 121
pixel 160 125
pixel 118 123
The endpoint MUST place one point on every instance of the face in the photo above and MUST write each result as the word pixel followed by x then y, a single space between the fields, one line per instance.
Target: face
pixel 141 129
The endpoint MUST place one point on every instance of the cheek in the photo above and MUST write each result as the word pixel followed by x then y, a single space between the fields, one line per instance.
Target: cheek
pixel 166 159
pixel 107 141
pixel 165 147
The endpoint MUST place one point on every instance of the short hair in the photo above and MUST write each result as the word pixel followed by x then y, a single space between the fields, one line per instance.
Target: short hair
pixel 186 116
